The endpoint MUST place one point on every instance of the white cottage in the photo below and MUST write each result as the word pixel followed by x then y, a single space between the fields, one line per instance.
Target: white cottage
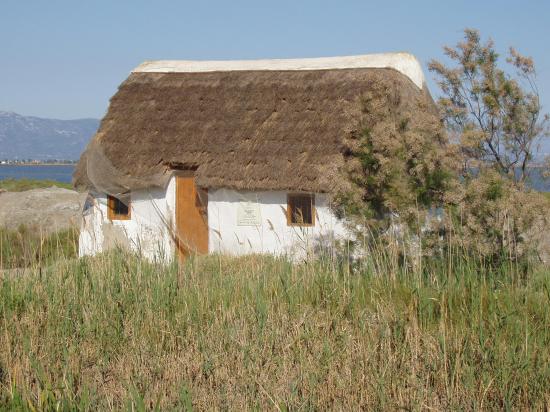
pixel 232 157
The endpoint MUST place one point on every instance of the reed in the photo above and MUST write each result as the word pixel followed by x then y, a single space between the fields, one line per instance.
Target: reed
pixel 118 332
pixel 27 247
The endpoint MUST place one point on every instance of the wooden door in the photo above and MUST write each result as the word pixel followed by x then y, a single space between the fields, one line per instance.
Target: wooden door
pixel 191 217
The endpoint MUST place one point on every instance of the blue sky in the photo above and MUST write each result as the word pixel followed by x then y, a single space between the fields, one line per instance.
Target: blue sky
pixel 65 59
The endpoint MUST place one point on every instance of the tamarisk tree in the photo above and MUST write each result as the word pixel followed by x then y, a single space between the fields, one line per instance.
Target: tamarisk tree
pixel 495 117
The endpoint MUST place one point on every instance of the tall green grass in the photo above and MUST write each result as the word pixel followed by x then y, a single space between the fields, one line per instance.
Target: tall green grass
pixel 29 247
pixel 117 332
pixel 20 185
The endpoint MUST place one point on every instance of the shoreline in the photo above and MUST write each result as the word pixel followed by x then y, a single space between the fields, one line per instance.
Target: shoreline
pixel 38 164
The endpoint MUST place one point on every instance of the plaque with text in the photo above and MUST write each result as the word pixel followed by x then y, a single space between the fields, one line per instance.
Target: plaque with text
pixel 248 214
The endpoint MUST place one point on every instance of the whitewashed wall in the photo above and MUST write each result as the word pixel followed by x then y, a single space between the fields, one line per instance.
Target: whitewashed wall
pixel 147 232
pixel 272 234
pixel 153 214
pixel 90 241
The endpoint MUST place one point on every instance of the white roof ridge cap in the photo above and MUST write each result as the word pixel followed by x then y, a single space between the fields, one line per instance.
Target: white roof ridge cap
pixel 403 62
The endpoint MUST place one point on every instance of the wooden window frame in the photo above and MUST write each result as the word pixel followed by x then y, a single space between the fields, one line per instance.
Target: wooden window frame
pixel 289 221
pixel 111 207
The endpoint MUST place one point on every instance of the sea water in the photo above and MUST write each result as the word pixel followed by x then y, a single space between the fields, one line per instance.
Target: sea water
pixel 59 173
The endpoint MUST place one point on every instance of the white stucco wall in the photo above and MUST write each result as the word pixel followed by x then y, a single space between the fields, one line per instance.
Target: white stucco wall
pixel 90 240
pixel 272 234
pixel 153 216
pixel 147 232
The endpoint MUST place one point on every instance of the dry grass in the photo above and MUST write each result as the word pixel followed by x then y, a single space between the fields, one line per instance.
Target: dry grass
pixel 115 332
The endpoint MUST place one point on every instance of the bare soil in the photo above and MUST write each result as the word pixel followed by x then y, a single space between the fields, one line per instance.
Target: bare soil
pixel 49 210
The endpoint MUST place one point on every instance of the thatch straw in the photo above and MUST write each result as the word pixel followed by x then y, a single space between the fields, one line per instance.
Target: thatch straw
pixel 247 130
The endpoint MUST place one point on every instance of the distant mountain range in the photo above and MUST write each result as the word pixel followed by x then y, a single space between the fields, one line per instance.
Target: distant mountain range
pixel 27 137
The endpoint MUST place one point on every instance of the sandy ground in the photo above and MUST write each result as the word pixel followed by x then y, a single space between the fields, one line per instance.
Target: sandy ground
pixel 49 210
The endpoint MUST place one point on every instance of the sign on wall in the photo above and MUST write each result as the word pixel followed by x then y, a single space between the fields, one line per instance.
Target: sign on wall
pixel 248 214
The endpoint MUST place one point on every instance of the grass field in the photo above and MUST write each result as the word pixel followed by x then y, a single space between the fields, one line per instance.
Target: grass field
pixel 20 185
pixel 26 247
pixel 116 332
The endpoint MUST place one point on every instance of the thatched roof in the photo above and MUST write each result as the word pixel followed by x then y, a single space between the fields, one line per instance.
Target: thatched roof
pixel 259 126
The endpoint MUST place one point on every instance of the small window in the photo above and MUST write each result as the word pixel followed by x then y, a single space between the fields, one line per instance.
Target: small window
pixel 118 209
pixel 300 210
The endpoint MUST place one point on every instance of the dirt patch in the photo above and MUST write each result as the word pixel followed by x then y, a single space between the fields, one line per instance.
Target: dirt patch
pixel 50 210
